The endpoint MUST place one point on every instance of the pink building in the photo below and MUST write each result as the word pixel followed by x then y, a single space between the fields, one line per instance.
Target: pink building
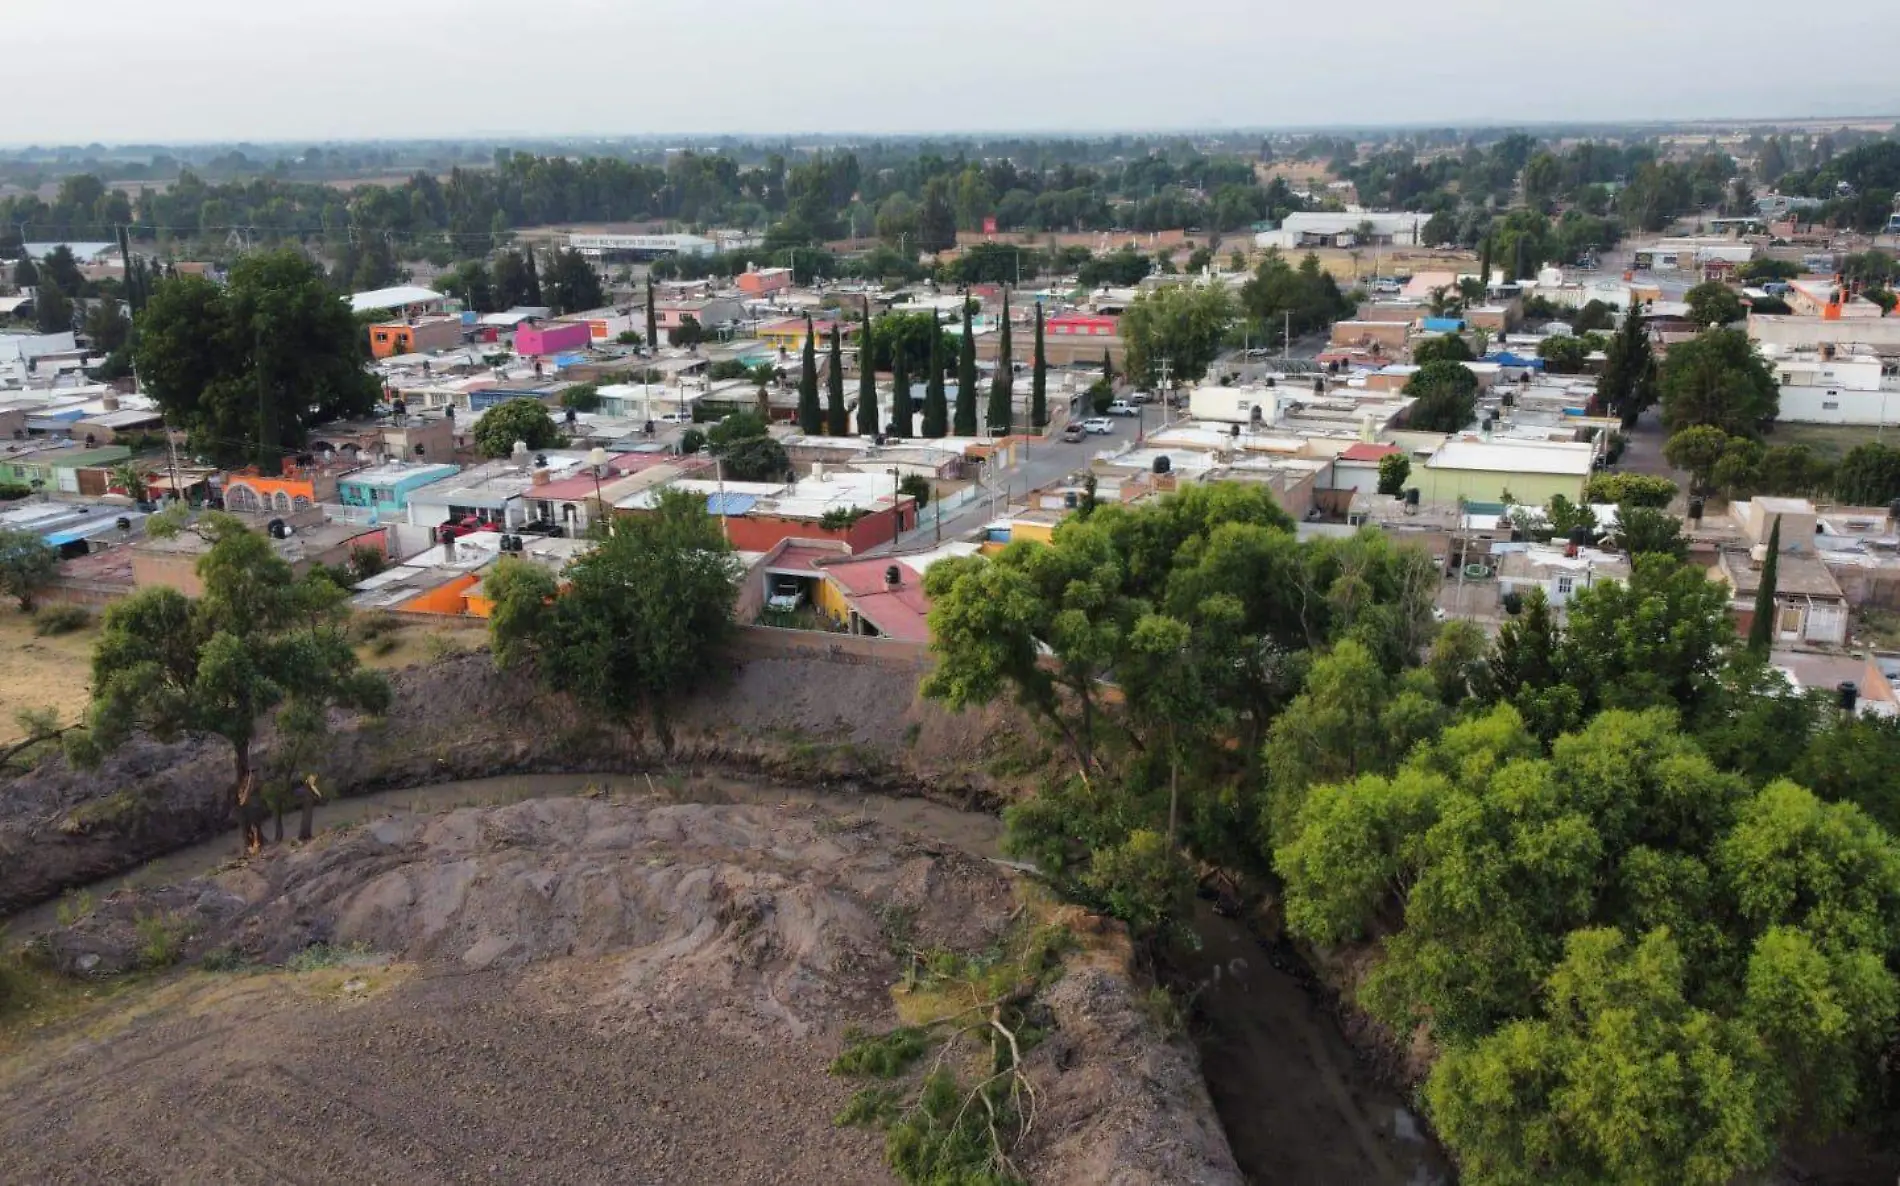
pixel 553 338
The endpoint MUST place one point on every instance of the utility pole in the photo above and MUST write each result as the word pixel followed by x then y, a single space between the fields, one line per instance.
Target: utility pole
pixel 1286 351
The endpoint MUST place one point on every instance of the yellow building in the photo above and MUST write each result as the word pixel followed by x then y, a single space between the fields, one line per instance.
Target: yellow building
pixel 1526 473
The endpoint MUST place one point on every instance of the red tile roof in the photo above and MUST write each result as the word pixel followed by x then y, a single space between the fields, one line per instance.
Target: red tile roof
pixel 897 613
pixel 1367 451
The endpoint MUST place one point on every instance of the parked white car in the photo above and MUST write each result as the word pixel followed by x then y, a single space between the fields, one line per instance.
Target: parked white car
pixel 1122 407
pixel 1100 425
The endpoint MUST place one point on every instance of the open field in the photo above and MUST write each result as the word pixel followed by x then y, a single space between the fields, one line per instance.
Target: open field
pixel 1831 441
pixel 41 672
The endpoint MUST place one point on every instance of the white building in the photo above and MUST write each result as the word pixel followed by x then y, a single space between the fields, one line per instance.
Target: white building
pixel 1827 388
pixel 643 246
pixel 1319 229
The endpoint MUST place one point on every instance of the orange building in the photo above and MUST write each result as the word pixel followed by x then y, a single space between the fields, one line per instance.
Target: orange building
pixel 424 335
pixel 248 492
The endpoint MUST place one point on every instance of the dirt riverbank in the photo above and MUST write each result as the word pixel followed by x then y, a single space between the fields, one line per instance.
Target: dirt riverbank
pixel 568 989
pixel 822 722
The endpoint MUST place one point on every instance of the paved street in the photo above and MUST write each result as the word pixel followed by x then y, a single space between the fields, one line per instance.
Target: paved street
pixel 1044 463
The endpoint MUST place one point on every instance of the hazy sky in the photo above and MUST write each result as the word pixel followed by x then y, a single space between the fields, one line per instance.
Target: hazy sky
pixel 193 70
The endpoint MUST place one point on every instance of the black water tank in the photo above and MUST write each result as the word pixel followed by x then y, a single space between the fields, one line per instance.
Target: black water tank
pixel 1071 500
pixel 893 576
pixel 1411 497
pixel 1848 693
pixel 1163 464
pixel 1695 510
pixel 278 529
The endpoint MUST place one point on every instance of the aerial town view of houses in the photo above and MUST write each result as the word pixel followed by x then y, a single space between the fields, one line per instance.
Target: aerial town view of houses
pixel 1322 653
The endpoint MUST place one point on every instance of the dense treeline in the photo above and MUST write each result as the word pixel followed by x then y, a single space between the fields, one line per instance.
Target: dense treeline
pixel 1635 941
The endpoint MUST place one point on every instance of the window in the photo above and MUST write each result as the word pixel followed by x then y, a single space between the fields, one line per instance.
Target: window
pixel 1829 405
pixel 1565 584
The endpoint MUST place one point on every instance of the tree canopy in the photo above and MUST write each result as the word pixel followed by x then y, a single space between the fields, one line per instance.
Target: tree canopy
pixel 1177 326
pixel 1446 395
pixel 525 419
pixel 258 640
pixel 1718 378
pixel 247 367
pixel 638 620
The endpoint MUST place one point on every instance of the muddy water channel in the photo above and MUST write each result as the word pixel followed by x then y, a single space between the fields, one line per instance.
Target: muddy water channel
pixel 1297 1105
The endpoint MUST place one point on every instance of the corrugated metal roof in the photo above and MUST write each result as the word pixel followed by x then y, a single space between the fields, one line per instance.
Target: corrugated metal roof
pixel 730 503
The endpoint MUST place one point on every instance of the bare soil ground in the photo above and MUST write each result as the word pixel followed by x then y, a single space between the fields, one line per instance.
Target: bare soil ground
pixel 50 672
pixel 567 990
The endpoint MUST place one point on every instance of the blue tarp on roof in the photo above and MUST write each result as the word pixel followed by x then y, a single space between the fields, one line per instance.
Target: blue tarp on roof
pixel 730 504
pixel 1444 325
pixel 1508 359
pixel 568 360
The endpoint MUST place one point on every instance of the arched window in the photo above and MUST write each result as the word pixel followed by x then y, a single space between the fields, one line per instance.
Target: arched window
pixel 299 503
pixel 241 499
pixel 281 501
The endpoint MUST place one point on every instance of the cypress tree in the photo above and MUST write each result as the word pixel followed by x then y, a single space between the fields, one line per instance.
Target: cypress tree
pixel 1039 381
pixel 1003 388
pixel 837 423
pixel 534 281
pixel 653 319
pixel 1484 262
pixel 1761 631
pixel 867 382
pixel 811 421
pixel 964 424
pixel 1108 367
pixel 900 391
pixel 936 404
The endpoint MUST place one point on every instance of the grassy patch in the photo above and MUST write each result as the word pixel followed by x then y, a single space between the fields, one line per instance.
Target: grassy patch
pixel 1876 628
pixel 322 955
pixel 1831 441
pixel 55 620
pixel 161 939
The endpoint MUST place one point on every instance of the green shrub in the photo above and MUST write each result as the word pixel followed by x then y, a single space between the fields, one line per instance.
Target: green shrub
pixel 61 619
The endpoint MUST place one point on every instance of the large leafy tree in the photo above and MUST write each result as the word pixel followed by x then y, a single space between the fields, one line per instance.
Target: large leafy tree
pixel 1869 475
pixel 1717 378
pixel 1713 303
pixel 1698 448
pixel 1446 395
pixel 639 620
pixel 524 419
pixel 259 640
pixel 1620 926
pixel 248 367
pixel 1177 328
pixel 745 448
pixel 1201 610
pixel 573 285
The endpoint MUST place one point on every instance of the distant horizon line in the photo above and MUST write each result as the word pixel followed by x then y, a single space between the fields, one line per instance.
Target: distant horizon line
pixel 1178 130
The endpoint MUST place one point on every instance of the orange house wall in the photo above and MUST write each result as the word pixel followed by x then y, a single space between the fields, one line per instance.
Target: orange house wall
pixel 450 598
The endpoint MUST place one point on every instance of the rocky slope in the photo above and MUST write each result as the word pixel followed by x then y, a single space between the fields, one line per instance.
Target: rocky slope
pixel 458 718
